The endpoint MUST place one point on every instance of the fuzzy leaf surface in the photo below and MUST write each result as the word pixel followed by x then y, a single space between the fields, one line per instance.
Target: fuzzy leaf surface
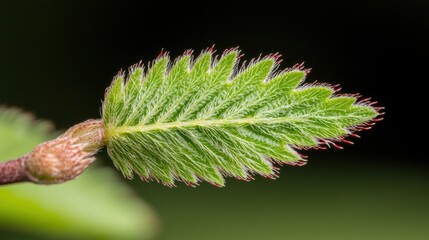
pixel 206 118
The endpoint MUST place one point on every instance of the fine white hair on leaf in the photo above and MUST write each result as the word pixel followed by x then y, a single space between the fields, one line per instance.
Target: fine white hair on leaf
pixel 201 118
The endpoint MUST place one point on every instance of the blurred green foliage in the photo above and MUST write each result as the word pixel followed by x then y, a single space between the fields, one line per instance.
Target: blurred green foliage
pixel 94 206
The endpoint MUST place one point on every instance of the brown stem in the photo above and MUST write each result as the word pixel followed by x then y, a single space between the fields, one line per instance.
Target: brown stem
pixel 58 160
pixel 13 171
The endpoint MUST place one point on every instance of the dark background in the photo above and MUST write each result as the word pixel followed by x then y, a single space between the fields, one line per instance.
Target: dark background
pixel 56 59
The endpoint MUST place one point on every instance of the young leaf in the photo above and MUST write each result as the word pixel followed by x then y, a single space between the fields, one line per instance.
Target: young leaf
pixel 203 119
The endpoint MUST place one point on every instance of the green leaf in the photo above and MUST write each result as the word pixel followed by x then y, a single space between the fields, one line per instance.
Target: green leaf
pixel 203 119
pixel 94 206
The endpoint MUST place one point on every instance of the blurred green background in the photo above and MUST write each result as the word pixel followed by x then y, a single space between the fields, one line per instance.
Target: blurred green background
pixel 56 59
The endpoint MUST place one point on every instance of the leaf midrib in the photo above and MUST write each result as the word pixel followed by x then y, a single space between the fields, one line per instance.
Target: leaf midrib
pixel 112 131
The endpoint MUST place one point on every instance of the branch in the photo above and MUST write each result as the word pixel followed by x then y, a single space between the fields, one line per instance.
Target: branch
pixel 13 171
pixel 58 160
